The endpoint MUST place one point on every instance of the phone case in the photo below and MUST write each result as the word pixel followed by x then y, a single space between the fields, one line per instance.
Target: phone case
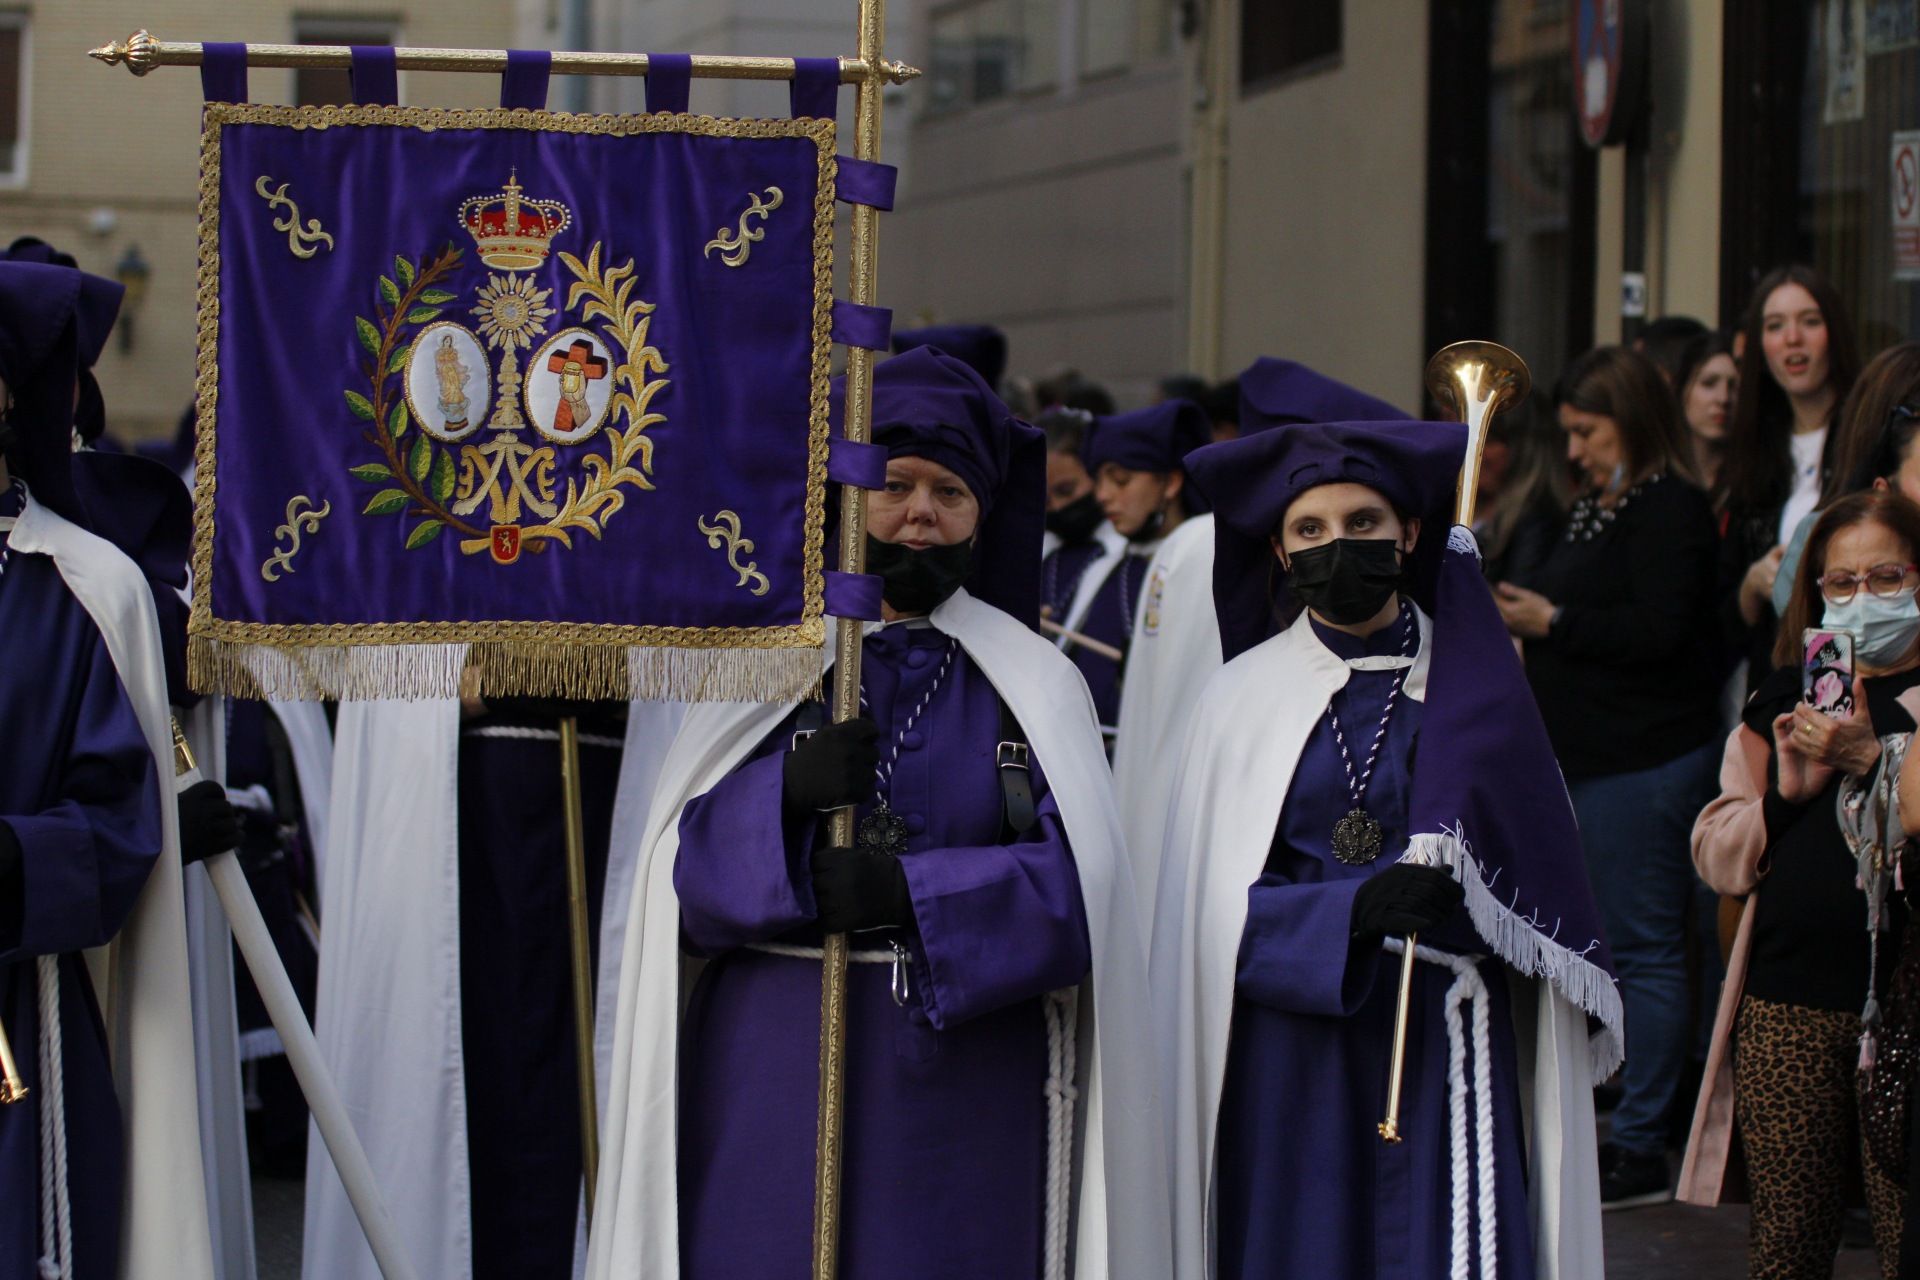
pixel 1826 673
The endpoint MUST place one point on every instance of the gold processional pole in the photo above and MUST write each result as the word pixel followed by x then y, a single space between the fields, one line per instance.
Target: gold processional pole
pixel 871 73
pixel 582 955
pixel 861 289
pixel 1473 381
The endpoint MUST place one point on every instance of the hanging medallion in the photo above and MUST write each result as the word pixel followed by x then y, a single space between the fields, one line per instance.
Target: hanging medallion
pixel 884 831
pixel 1357 838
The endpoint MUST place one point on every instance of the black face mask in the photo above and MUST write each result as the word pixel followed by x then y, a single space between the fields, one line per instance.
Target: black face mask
pixel 1348 580
pixel 1076 521
pixel 918 581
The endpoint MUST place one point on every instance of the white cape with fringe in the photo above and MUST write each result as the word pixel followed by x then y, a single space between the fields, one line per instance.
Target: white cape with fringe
pixel 140 978
pixel 388 1017
pixel 1119 1183
pixel 1252 723
pixel 1175 651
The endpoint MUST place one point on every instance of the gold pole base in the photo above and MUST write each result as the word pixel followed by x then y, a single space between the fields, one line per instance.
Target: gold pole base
pixel 1389 1133
pixel 12 1091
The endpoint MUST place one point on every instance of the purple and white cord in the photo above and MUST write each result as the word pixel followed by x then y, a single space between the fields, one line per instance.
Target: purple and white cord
pixel 883 774
pixel 1357 788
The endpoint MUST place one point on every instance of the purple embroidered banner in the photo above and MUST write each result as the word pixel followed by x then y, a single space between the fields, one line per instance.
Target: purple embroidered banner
pixel 539 395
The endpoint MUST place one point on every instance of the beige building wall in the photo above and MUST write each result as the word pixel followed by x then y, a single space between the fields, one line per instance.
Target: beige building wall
pixel 1058 215
pixel 113 162
pixel 1326 210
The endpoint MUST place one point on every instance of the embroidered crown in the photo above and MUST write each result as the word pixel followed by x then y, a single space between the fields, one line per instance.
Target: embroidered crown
pixel 512 231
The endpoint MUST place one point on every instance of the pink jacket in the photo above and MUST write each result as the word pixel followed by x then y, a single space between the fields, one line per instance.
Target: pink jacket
pixel 1729 848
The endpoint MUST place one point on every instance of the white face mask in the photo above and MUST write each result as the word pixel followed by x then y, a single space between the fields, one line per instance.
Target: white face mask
pixel 1884 627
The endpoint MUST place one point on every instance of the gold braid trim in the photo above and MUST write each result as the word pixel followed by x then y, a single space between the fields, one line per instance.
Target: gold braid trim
pixel 541 658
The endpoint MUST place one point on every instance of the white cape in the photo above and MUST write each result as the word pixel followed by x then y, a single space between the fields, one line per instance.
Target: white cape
pixel 1113 549
pixel 1174 652
pixel 388 1016
pixel 1252 723
pixel 216 1030
pixel 1119 1181
pixel 141 977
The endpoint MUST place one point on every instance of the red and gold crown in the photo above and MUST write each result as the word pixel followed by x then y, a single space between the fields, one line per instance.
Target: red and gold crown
pixel 513 232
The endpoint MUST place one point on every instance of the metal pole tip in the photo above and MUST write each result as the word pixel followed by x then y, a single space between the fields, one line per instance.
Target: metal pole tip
pixel 136 51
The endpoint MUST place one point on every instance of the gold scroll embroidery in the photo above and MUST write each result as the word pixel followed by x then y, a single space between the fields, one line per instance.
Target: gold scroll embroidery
pixel 734 250
pixel 726 528
pixel 302 517
pixel 297 236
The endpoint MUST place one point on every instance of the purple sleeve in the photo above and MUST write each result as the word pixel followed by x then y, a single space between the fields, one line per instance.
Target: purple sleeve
pixel 84 860
pixel 1296 954
pixel 742 869
pixel 998 923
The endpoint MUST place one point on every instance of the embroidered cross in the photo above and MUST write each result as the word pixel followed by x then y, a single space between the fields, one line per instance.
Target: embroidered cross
pixel 576 367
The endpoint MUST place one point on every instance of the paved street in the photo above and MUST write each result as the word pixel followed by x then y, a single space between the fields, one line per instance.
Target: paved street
pixel 1677 1242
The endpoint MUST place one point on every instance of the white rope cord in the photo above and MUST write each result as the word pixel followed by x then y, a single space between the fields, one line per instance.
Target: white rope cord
pixel 528 733
pixel 1063 1028
pixel 792 952
pixel 56 1207
pixel 1468 987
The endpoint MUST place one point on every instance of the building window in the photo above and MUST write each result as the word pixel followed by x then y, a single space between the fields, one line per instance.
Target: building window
pixel 14 51
pixel 1117 34
pixel 986 50
pixel 331 86
pixel 1859 165
pixel 1281 37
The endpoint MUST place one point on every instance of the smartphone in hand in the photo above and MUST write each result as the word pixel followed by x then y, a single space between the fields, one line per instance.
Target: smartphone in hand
pixel 1826 672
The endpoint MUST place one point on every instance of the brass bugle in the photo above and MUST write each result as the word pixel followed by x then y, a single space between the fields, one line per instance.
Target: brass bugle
pixel 1472 381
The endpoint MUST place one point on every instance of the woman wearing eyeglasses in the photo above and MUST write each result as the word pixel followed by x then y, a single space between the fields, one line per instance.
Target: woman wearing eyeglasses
pixel 1815 946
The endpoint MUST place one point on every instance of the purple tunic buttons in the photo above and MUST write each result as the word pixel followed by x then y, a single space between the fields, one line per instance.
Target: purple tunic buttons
pixel 911 740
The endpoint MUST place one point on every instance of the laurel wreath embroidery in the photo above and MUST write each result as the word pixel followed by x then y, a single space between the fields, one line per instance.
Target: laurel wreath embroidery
pixel 608 296
pixel 420 478
pixel 420 483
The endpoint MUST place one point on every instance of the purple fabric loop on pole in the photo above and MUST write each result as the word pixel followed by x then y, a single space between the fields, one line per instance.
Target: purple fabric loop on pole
pixel 866 182
pixel 223 72
pixel 853 595
pixel 816 87
pixel 862 465
pixel 858 326
pixel 523 85
pixel 669 77
pixel 375 80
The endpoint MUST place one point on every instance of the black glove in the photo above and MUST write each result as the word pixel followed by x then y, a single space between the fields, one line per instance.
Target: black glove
pixel 1403 899
pixel 854 889
pixel 13 884
pixel 833 768
pixel 208 822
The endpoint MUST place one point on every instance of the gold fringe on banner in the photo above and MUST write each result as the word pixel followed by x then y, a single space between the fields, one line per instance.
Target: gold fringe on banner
pixel 419 671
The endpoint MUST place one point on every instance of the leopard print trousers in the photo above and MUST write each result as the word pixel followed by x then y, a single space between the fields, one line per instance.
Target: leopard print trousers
pixel 1795 1073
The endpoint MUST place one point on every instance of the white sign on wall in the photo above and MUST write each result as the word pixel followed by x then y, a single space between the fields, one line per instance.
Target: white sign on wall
pixel 1905 191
